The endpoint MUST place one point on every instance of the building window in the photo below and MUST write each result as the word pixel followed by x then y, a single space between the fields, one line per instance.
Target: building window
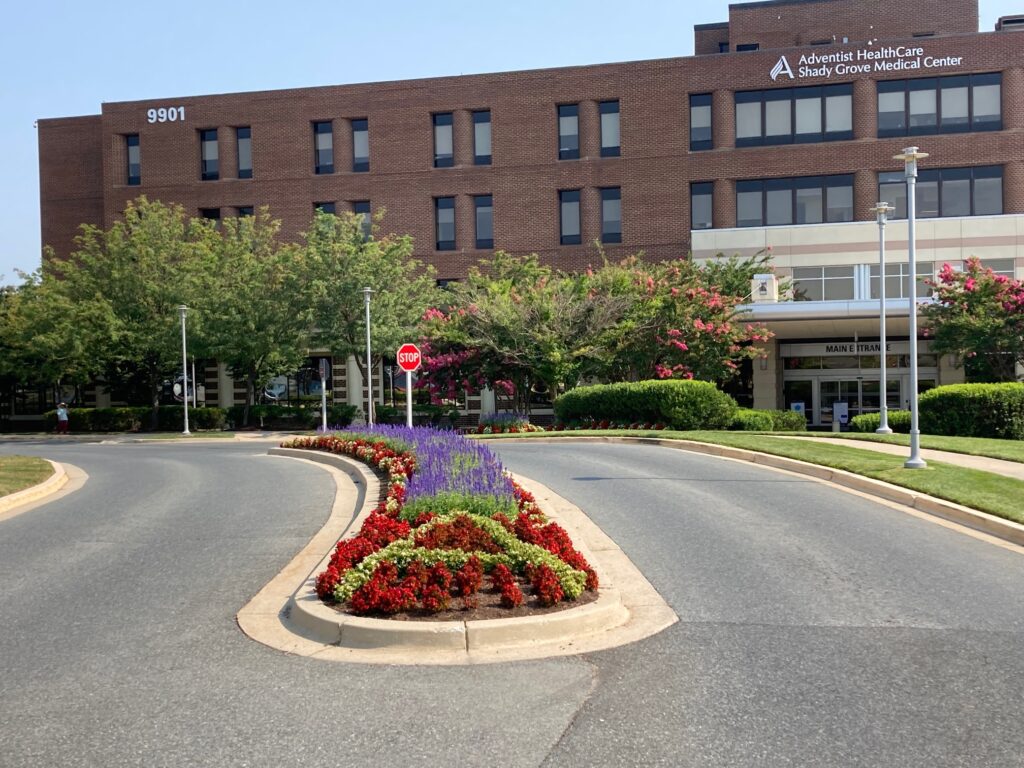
pixel 823 283
pixel 897 280
pixel 360 145
pixel 208 155
pixel 723 47
pixel 568 132
pixel 569 216
pixel 748 47
pixel 134 160
pixel 700 205
pixel 1004 267
pixel 361 208
pixel 700 121
pixel 482 137
pixel 323 147
pixel 325 207
pixel 484 207
pixel 946 192
pixel 244 137
pixel 244 210
pixel 444 153
pixel 932 105
pixel 213 214
pixel 444 220
pixel 803 200
pixel 611 215
pixel 794 115
pixel 609 128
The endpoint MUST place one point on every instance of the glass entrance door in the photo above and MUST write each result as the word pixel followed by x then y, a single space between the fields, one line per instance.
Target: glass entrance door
pixel 834 391
pixel 869 399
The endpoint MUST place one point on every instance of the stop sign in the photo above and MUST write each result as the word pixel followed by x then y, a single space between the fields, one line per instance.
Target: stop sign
pixel 408 357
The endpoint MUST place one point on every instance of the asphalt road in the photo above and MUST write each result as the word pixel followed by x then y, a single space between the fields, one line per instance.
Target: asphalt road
pixel 816 628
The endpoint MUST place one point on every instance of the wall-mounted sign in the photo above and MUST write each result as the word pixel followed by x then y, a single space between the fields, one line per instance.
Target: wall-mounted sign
pixel 827 348
pixel 165 115
pixel 861 61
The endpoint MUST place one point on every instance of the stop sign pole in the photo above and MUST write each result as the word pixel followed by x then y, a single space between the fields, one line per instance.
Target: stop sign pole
pixel 408 359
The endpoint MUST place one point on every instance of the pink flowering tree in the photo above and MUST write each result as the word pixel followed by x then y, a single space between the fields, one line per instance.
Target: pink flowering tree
pixel 979 317
pixel 683 319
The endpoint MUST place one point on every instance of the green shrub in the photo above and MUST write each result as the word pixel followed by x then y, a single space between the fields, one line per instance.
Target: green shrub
pixel 974 410
pixel 340 415
pixel 680 404
pixel 137 419
pixel 171 418
pixel 749 420
pixel 788 421
pixel 899 421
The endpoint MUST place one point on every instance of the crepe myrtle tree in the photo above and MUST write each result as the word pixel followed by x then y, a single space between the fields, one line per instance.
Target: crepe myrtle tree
pixel 978 316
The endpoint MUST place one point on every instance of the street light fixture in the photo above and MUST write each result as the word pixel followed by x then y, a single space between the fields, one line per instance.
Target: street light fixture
pixel 184 366
pixel 910 156
pixel 369 369
pixel 882 211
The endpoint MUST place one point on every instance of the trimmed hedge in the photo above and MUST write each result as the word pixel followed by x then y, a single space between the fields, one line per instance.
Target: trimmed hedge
pixel 292 417
pixel 899 421
pixel 974 410
pixel 680 404
pixel 751 420
pixel 137 419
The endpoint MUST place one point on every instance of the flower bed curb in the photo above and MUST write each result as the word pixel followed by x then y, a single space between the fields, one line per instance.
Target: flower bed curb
pixel 1007 530
pixel 49 486
pixel 626 610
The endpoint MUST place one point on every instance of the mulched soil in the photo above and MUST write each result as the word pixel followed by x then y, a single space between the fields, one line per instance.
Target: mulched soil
pixel 488 607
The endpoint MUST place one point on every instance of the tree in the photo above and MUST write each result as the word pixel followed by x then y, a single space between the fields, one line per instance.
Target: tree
pixel 339 261
pixel 258 314
pixel 682 320
pixel 979 317
pixel 45 337
pixel 140 271
pixel 516 326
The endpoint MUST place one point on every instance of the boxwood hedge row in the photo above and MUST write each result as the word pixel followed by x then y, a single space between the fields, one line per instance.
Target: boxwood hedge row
pixel 679 404
pixel 974 410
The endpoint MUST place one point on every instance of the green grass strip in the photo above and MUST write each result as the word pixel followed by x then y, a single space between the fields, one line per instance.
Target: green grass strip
pixel 1008 450
pixel 20 472
pixel 984 491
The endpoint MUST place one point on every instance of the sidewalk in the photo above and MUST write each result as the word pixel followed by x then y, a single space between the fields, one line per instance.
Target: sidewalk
pixel 996 466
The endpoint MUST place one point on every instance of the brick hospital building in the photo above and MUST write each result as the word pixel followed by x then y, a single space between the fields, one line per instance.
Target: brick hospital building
pixel 779 132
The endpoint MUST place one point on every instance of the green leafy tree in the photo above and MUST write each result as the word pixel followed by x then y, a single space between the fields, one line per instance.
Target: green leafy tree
pixel 340 261
pixel 46 337
pixel 517 325
pixel 258 314
pixel 978 316
pixel 142 269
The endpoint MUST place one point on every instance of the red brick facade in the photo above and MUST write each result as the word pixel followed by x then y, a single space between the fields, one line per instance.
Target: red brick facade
pixel 83 160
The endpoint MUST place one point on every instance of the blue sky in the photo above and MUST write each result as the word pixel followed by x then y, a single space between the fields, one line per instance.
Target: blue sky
pixel 66 58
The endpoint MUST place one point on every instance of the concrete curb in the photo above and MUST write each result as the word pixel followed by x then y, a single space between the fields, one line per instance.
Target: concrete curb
pixel 48 487
pixel 1007 530
pixel 627 609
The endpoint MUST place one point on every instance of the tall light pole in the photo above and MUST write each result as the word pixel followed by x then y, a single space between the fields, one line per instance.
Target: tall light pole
pixel 910 156
pixel 369 360
pixel 882 211
pixel 184 366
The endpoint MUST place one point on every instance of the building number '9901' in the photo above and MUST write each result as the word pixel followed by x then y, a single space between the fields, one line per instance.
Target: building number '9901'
pixel 165 114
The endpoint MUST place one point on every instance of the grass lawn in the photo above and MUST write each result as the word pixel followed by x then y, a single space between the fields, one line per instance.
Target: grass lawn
pixel 1010 450
pixel 20 472
pixel 985 491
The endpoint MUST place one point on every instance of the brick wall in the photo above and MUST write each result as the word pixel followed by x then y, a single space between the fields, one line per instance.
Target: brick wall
pixel 654 170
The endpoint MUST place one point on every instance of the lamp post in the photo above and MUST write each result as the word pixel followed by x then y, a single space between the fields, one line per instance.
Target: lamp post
pixel 910 156
pixel 369 362
pixel 184 366
pixel 882 211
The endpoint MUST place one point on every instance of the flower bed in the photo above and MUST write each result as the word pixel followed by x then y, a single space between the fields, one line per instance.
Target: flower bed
pixel 453 530
pixel 505 424
pixel 605 424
